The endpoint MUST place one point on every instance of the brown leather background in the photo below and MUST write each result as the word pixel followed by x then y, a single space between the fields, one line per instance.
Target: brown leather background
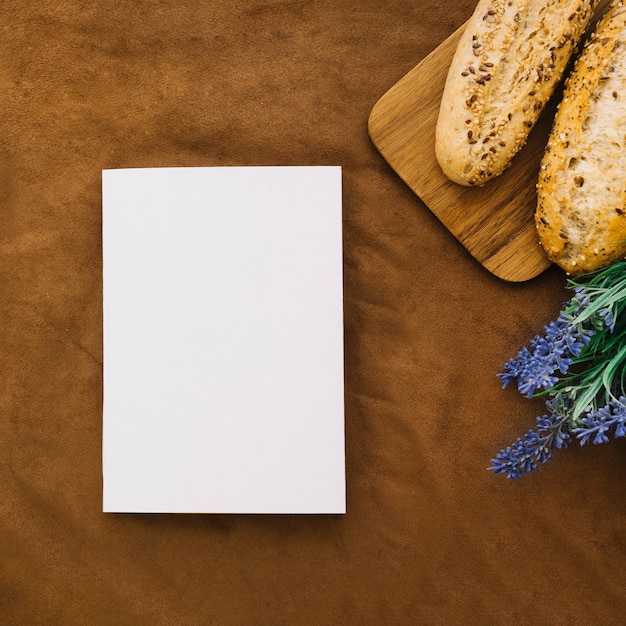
pixel 430 536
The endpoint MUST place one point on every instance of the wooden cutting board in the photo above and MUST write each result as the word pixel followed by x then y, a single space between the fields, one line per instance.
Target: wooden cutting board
pixel 495 222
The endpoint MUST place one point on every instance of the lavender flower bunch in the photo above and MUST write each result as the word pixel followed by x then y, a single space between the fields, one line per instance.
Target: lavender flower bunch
pixel 579 365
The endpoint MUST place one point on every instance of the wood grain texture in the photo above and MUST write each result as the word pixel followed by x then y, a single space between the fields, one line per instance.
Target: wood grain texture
pixel 494 222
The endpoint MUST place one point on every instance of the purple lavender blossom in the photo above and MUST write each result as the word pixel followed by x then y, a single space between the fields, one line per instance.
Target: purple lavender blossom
pixel 564 331
pixel 608 419
pixel 534 367
pixel 607 318
pixel 581 300
pixel 522 456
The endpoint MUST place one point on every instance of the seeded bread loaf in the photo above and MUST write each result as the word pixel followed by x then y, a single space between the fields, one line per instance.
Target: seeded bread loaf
pixel 581 204
pixel 506 66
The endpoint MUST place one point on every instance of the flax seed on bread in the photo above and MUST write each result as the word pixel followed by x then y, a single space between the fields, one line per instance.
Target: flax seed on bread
pixel 507 64
pixel 581 192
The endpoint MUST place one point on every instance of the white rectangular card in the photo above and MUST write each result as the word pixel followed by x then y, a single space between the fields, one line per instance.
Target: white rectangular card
pixel 223 340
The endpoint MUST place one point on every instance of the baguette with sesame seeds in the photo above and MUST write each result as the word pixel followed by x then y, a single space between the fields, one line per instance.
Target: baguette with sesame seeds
pixel 507 64
pixel 581 192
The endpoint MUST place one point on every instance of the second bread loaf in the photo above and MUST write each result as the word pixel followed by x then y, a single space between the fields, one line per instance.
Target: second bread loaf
pixel 581 208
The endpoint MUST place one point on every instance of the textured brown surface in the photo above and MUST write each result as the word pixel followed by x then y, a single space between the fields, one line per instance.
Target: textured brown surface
pixel 430 537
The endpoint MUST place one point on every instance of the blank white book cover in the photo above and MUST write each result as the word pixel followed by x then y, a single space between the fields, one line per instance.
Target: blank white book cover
pixel 223 340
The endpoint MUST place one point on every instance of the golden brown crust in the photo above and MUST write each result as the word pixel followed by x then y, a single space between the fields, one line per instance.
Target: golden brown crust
pixel 581 203
pixel 506 66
